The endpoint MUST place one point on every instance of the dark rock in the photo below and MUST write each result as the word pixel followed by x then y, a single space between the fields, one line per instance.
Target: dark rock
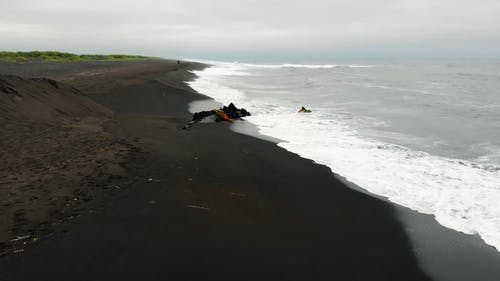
pixel 231 111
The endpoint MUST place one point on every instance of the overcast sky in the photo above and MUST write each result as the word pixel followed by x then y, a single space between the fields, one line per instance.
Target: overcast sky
pixel 255 29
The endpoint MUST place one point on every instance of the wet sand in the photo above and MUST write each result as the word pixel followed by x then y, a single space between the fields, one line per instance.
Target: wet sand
pixel 208 203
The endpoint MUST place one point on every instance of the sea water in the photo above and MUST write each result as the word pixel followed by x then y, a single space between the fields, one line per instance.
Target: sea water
pixel 423 134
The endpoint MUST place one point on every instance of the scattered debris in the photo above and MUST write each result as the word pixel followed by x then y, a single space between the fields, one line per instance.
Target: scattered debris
pixel 238 194
pixel 19 238
pixel 150 180
pixel 18 251
pixel 304 110
pixel 4 253
pixel 198 207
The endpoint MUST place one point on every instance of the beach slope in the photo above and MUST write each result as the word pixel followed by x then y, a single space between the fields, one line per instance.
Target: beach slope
pixel 208 203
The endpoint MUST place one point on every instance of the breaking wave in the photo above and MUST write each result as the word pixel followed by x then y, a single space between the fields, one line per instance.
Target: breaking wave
pixel 310 66
pixel 286 65
pixel 462 195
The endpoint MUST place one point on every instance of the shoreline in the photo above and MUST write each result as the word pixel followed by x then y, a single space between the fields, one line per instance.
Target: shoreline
pixel 443 253
pixel 441 174
pixel 206 211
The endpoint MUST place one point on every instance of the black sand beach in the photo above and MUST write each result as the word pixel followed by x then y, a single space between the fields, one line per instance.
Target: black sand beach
pixel 204 203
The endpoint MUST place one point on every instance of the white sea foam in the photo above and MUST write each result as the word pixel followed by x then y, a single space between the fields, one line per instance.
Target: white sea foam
pixel 310 66
pixel 462 195
pixel 229 65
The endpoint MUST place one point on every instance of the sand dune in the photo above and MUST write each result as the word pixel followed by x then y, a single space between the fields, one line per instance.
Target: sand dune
pixel 57 151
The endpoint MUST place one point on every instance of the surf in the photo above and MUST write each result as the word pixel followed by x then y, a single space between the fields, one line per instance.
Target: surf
pixel 462 194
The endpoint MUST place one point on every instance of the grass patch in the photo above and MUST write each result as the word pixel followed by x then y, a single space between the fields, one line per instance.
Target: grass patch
pixel 53 56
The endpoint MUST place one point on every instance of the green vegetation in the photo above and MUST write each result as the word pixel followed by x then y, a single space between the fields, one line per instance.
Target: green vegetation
pixel 53 56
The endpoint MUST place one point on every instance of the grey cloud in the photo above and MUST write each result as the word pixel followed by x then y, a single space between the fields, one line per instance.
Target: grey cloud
pixel 204 28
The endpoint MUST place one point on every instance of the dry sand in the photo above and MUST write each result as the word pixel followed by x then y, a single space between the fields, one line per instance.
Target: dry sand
pixel 57 153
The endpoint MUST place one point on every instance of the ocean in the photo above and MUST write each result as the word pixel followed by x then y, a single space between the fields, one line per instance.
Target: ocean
pixel 422 134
